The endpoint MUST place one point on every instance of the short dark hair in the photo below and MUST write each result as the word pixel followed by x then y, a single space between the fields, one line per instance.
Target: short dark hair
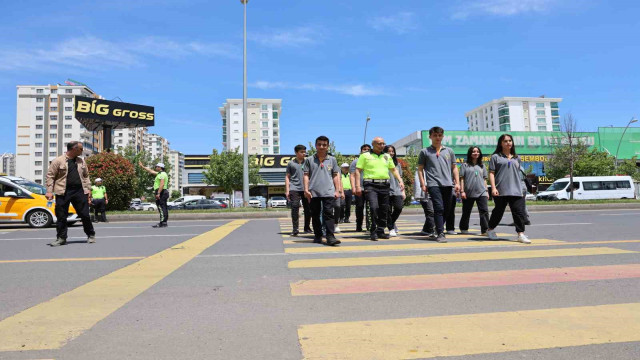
pixel 72 144
pixel 365 146
pixel 299 148
pixel 322 138
pixel 436 130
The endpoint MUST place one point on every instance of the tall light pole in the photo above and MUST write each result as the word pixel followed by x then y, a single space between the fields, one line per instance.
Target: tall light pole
pixel 365 129
pixel 633 119
pixel 245 126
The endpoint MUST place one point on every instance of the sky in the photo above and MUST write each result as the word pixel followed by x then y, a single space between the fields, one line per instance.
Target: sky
pixel 410 65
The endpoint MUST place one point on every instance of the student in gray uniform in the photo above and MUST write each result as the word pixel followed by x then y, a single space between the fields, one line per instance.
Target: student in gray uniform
pixel 295 190
pixel 423 196
pixel 360 200
pixel 473 181
pixel 439 165
pixel 322 189
pixel 504 175
pixel 396 195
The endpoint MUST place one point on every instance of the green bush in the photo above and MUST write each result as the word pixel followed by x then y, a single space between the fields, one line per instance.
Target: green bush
pixel 118 176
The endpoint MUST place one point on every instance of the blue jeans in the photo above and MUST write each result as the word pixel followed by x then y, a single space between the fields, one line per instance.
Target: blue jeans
pixel 438 195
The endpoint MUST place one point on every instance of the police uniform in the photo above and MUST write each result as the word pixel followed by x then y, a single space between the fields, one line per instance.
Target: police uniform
pixel 375 174
pixel 99 204
pixel 161 201
pixel 348 193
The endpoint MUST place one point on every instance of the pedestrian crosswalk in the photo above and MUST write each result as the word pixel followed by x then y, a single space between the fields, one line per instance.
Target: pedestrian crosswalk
pixel 549 261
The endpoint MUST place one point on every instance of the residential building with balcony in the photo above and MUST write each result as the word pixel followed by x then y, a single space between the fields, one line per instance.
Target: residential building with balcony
pixel 133 137
pixel 516 114
pixel 156 146
pixel 176 160
pixel 263 121
pixel 8 164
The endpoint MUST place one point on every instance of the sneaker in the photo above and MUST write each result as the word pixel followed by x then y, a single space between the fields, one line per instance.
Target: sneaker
pixel 492 234
pixel 441 238
pixel 91 239
pixel 373 236
pixel 464 232
pixel 333 242
pixel 317 240
pixel 524 239
pixel 58 242
pixel 451 232
pixel 337 230
pixel 294 233
pixel 393 233
pixel 308 231
pixel 383 236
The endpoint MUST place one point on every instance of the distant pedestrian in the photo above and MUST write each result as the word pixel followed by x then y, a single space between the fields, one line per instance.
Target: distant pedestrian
pixel 100 199
pixel 68 180
pixel 322 189
pixel 160 192
pixel 473 181
pixel 440 177
pixel 396 195
pixel 374 167
pixel 294 189
pixel 506 188
pixel 345 178
pixel 360 200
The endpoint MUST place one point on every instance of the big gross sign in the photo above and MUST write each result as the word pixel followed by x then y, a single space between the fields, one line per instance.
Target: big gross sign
pixel 96 113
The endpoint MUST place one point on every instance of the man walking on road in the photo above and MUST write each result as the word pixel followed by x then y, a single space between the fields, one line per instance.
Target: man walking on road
pixel 160 192
pixel 295 191
pixel 68 180
pixel 322 189
pixel 360 201
pixel 374 168
pixel 100 201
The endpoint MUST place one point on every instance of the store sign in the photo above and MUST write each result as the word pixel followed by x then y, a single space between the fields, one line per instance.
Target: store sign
pixel 526 142
pixel 98 112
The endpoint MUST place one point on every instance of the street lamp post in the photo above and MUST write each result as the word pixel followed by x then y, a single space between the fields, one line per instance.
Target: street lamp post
pixel 245 127
pixel 633 120
pixel 365 129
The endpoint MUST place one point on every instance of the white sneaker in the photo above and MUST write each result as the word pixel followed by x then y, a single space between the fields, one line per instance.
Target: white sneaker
pixel 492 234
pixel 393 233
pixel 524 239
pixel 464 232
pixel 396 229
pixel 450 232
pixel 336 230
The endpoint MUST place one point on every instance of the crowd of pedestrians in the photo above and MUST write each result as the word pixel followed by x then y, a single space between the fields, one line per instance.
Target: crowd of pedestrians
pixel 374 178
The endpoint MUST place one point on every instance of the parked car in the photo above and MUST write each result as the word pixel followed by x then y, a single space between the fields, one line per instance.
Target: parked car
pixel 277 201
pixel 203 204
pixel 530 197
pixel 223 200
pixel 177 203
pixel 256 202
pixel 143 207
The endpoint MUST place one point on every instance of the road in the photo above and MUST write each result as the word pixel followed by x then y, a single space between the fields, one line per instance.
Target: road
pixel 244 289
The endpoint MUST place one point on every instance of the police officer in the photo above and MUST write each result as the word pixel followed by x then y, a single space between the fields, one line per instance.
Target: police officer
pixel 360 202
pixel 346 187
pixel 374 168
pixel 160 192
pixel 100 201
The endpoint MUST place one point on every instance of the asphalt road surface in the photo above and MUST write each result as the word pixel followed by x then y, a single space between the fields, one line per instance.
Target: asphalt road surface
pixel 244 289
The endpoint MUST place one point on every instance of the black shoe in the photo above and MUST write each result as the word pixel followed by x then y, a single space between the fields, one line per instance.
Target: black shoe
pixel 294 233
pixel 159 225
pixel 359 229
pixel 333 241
pixel 373 237
pixel 527 222
pixel 383 236
pixel 346 221
pixel 308 231
pixel 317 240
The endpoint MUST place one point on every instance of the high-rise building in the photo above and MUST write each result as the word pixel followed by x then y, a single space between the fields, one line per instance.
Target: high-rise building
pixel 133 137
pixel 516 114
pixel 156 146
pixel 8 164
pixel 45 124
pixel 263 122
pixel 176 160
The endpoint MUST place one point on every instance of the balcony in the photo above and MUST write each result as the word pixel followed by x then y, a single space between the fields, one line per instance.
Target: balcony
pixel 503 112
pixel 554 105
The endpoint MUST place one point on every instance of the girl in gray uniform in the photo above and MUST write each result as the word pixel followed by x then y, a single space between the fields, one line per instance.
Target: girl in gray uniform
pixel 473 178
pixel 396 196
pixel 504 175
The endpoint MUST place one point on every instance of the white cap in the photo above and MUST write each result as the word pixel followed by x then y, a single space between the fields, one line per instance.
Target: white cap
pixel 344 165
pixel 160 165
pixel 98 179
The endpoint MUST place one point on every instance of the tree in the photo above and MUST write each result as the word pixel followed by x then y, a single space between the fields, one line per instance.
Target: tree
pixel 117 174
pixel 629 167
pixel 144 181
pixel 225 170
pixel 175 194
pixel 407 179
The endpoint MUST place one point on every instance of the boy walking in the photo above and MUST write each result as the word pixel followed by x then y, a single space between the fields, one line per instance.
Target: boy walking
pixel 295 190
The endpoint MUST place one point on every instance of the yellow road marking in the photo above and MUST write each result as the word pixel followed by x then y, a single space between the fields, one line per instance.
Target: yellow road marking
pixel 442 258
pixel 458 335
pixel 72 259
pixel 50 325
pixel 428 245
pixel 345 238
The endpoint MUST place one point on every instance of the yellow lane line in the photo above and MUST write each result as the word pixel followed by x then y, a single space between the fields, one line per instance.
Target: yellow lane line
pixel 363 238
pixel 458 335
pixel 50 325
pixel 442 258
pixel 406 236
pixel 429 245
pixel 71 259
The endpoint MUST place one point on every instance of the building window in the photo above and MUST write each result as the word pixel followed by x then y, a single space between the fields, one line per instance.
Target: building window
pixel 265 124
pixel 276 150
pixel 542 120
pixel 265 132
pixel 54 117
pixel 53 144
pixel 39 99
pixel 38 172
pixel 68 108
pixel 275 114
pixel 554 105
pixel 265 107
pixel 68 91
pixel 53 108
pixel 67 117
pixel 39 117
pixel 68 126
pixel 67 100
pixel 38 163
pixel 39 127
pixel 38 136
pixel 54 100
pixel 539 105
pixel 275 133
pixel 265 141
pixel 53 153
pixel 39 108
pixel 264 115
pixel 53 136
pixel 541 113
pixel 54 91
pixel 53 127
pixel 265 150
pixel 38 153
pixel 556 127
pixel 39 91
pixel 38 145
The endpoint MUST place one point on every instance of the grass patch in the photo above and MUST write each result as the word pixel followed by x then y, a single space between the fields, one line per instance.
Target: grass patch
pixel 233 210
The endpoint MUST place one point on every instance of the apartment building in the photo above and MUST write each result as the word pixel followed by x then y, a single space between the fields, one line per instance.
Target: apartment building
pixel 133 137
pixel 8 164
pixel 176 160
pixel 156 146
pixel 45 124
pixel 263 121
pixel 516 114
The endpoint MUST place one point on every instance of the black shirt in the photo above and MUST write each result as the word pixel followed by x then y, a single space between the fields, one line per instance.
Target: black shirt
pixel 73 178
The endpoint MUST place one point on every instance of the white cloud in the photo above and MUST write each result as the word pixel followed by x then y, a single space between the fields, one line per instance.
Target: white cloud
pixel 501 7
pixel 90 52
pixel 299 36
pixel 400 23
pixel 353 90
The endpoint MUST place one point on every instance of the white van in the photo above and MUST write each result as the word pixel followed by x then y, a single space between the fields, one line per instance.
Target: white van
pixel 181 200
pixel 590 188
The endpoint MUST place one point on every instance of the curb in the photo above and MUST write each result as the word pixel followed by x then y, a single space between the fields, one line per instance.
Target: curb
pixel 412 211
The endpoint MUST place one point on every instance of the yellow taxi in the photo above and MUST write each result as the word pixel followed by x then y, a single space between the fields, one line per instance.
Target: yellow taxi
pixel 22 200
